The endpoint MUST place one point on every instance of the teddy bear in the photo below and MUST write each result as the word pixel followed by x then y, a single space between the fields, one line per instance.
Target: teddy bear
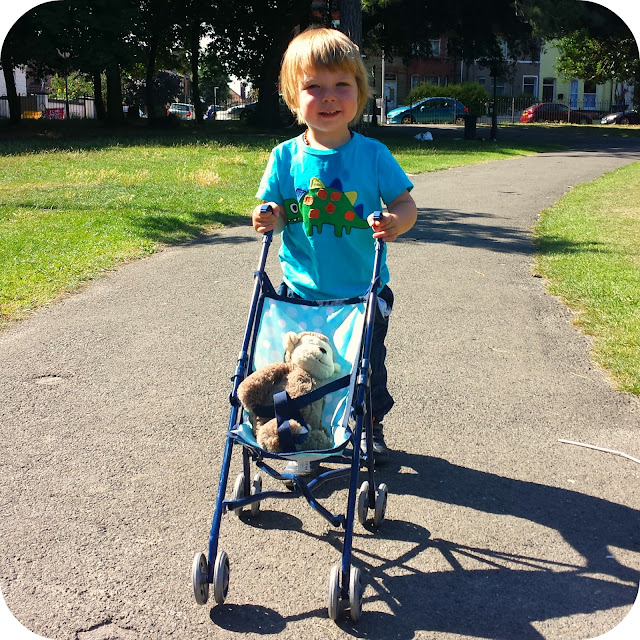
pixel 308 360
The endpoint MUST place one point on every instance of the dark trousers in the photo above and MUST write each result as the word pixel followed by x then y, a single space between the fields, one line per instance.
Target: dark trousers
pixel 381 400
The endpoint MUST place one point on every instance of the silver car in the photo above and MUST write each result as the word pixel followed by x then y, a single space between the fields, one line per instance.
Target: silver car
pixel 182 110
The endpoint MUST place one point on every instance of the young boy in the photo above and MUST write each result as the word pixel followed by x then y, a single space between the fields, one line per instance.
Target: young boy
pixel 323 187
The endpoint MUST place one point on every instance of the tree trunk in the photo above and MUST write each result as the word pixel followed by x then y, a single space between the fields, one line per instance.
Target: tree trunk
pixel 15 110
pixel 114 94
pixel 150 78
pixel 195 63
pixel 98 100
pixel 351 19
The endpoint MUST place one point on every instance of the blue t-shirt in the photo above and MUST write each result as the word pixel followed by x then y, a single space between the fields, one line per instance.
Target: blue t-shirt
pixel 328 248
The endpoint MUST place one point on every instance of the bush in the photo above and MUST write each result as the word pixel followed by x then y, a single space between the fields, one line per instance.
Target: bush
pixel 471 94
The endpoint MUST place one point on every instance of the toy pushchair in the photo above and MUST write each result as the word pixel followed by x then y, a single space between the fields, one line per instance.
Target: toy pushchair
pixel 346 415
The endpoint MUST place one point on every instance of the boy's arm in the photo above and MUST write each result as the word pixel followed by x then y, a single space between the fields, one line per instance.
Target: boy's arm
pixel 400 216
pixel 271 221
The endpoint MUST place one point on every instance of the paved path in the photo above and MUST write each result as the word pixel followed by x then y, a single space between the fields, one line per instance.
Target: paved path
pixel 114 409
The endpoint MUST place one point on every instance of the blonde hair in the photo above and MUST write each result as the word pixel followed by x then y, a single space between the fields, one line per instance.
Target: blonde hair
pixel 319 47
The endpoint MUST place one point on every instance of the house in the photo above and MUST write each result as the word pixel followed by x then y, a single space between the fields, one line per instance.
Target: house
pixel 578 94
pixel 529 81
pixel 522 81
pixel 400 78
pixel 20 78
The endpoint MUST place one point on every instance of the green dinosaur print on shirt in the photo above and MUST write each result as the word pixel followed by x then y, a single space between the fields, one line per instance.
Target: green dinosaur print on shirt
pixel 292 211
pixel 322 205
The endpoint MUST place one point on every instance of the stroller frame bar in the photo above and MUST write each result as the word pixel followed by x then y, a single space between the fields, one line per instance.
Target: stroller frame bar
pixel 238 377
pixel 344 581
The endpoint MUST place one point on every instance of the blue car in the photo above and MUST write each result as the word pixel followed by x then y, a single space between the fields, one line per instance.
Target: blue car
pixel 429 111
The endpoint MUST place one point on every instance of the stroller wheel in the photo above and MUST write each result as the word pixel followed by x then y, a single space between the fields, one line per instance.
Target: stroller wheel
pixel 256 488
pixel 355 594
pixel 238 492
pixel 199 575
pixel 363 502
pixel 221 577
pixel 334 592
pixel 381 504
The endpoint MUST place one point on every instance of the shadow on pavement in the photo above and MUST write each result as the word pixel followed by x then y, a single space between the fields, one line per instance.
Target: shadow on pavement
pixel 501 601
pixel 474 230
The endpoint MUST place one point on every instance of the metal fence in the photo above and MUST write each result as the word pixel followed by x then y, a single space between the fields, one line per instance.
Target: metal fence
pixel 509 109
pixel 40 105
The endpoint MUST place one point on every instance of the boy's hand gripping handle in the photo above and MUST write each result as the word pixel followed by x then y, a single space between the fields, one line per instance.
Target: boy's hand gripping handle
pixel 267 208
pixel 377 217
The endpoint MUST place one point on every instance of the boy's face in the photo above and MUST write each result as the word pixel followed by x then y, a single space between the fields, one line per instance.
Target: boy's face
pixel 328 100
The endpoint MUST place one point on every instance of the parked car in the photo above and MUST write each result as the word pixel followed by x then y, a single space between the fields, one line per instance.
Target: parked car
pixel 244 111
pixel 182 110
pixel 429 111
pixel 212 109
pixel 632 116
pixel 238 112
pixel 557 112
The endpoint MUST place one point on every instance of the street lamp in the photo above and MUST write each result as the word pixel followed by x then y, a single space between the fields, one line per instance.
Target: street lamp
pixel 215 96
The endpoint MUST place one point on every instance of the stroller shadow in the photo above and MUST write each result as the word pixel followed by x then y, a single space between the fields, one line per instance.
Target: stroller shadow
pixel 589 524
pixel 500 601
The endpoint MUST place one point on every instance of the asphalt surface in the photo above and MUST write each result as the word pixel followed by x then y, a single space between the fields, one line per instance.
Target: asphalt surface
pixel 114 410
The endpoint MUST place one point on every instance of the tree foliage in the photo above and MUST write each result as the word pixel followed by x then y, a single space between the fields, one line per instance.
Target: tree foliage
pixel 107 40
pixel 471 94
pixel 250 38
pixel 597 59
pixel 594 43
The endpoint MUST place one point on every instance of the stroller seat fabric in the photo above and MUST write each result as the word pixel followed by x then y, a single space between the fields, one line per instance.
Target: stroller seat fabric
pixel 342 322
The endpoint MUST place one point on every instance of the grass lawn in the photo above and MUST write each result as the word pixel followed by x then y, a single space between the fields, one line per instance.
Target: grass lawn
pixel 589 250
pixel 75 202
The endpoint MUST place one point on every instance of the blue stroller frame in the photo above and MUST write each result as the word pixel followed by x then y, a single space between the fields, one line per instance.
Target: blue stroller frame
pixel 347 414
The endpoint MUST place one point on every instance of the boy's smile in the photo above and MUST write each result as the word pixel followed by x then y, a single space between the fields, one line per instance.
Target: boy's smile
pixel 328 102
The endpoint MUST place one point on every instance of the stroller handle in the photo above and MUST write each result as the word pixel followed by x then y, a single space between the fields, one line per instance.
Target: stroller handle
pixel 267 208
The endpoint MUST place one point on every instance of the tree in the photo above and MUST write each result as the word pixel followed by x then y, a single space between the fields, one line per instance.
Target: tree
pixel 594 43
pixel 597 59
pixel 214 82
pixel 351 20
pixel 32 41
pixel 250 38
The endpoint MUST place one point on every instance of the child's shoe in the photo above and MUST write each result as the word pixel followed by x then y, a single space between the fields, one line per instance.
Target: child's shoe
pixel 380 451
pixel 305 469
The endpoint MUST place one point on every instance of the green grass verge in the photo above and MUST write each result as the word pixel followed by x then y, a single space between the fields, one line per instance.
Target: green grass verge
pixel 589 251
pixel 77 199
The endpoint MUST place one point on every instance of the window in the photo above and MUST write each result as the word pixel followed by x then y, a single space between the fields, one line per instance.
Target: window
pixel 435 47
pixel 548 89
pixel 589 100
pixel 415 80
pixel 530 86
pixel 482 81
pixel 432 79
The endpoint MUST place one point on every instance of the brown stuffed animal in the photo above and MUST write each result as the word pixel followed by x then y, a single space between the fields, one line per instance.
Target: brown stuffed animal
pixel 308 359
